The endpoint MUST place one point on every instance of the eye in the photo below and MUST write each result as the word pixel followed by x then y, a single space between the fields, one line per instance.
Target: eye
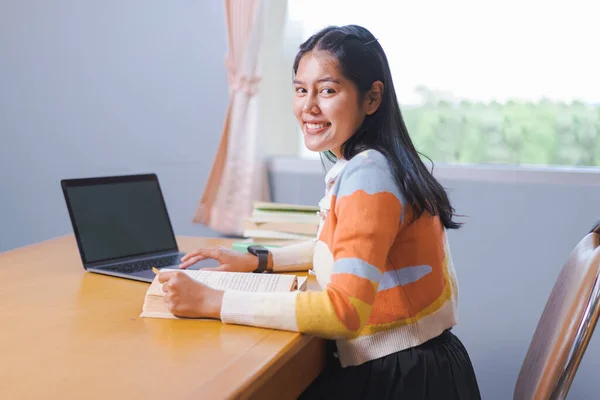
pixel 300 90
pixel 327 91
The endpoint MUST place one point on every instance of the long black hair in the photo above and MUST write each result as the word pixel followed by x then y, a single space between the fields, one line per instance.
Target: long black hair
pixel 361 59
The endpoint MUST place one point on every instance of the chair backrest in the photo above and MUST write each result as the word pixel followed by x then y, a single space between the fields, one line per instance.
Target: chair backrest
pixel 565 327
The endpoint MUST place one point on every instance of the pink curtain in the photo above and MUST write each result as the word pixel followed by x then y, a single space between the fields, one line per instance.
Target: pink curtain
pixel 238 175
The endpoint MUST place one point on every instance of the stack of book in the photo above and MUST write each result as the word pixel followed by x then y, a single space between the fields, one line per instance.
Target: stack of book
pixel 279 224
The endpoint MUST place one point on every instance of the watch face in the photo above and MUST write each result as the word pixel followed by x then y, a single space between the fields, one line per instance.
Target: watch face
pixel 257 249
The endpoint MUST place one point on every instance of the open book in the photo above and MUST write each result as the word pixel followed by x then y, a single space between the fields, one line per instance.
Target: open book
pixel 155 307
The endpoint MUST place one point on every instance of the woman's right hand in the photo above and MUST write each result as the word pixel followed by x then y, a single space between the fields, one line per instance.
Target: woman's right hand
pixel 229 260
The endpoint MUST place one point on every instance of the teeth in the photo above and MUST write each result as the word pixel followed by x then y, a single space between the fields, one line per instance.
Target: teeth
pixel 317 126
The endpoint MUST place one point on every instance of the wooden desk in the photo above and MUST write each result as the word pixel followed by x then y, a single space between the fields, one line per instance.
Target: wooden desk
pixel 71 334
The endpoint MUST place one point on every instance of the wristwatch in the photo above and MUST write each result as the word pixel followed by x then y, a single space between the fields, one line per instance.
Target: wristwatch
pixel 263 257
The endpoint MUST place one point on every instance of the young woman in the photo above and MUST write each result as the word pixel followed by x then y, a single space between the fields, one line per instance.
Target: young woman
pixel 381 256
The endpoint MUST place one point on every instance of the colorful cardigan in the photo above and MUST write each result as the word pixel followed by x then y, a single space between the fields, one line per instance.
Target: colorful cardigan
pixel 388 284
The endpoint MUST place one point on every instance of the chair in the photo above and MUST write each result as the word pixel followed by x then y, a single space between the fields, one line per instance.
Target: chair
pixel 565 327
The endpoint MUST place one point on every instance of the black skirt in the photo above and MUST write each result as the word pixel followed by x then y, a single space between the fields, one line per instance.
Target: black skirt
pixel 438 369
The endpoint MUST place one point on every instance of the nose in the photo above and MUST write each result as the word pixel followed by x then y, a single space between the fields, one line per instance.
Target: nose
pixel 310 105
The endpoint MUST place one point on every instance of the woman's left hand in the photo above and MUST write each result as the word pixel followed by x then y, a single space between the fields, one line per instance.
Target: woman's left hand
pixel 186 297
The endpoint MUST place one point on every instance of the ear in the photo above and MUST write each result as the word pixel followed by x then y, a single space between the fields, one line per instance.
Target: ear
pixel 373 98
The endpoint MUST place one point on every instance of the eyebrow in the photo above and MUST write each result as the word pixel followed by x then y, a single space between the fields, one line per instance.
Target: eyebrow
pixel 321 80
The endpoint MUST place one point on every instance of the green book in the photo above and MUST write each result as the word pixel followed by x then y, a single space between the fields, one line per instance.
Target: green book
pixel 267 207
pixel 243 246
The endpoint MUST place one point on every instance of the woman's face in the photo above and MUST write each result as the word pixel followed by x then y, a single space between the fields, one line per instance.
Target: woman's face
pixel 327 105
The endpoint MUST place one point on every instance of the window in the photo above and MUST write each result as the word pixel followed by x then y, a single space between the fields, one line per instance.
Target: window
pixel 512 81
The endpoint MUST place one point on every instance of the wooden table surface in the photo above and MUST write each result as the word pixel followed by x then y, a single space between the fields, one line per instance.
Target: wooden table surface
pixel 70 334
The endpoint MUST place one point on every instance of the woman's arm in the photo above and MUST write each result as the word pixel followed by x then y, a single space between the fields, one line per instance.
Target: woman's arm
pixel 295 257
pixel 367 214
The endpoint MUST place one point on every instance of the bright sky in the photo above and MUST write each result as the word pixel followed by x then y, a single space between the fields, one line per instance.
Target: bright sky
pixel 477 49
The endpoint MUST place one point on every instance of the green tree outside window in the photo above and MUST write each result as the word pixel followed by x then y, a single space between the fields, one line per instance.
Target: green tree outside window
pixel 543 133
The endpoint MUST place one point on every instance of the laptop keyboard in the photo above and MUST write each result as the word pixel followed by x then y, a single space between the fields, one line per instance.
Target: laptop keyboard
pixel 142 265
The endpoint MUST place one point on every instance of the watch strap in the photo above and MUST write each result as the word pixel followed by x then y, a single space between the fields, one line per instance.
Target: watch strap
pixel 263 257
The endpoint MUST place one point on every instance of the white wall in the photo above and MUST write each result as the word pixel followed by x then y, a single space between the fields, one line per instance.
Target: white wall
pixel 101 88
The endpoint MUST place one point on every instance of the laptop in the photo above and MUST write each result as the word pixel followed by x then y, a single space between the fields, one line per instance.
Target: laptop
pixel 122 226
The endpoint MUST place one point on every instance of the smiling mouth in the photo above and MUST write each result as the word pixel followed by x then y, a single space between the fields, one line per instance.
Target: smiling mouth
pixel 316 128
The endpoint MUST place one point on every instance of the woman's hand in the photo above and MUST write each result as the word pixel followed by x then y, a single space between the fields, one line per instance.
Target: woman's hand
pixel 229 260
pixel 186 297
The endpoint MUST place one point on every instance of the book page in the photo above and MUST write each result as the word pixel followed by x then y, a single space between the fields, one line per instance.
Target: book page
pixel 155 307
pixel 247 282
pixel 302 283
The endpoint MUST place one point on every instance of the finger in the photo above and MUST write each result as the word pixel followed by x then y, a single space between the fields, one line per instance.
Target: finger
pixel 169 302
pixel 191 262
pixel 190 254
pixel 167 275
pixel 224 267
pixel 204 253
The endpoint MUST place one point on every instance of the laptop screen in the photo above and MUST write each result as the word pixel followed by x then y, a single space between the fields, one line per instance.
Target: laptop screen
pixel 115 219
